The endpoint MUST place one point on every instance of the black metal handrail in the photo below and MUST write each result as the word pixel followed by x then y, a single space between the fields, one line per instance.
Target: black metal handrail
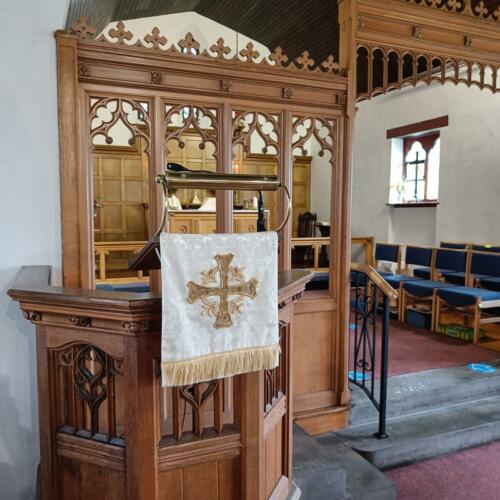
pixel 370 299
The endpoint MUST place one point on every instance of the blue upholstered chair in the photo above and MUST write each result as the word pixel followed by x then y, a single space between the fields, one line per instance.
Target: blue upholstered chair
pixel 456 246
pixel 424 291
pixel 476 302
pixel 388 252
pixel 485 268
pixel 486 248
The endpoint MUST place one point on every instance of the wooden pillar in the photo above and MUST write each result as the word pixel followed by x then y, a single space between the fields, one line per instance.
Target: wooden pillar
pixel 285 174
pixel 67 95
pixel 348 24
pixel 252 430
pixel 224 214
pixel 140 423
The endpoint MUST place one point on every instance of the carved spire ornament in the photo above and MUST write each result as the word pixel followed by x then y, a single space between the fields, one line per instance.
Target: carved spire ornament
pixel 220 48
pixel 279 57
pixel 189 45
pixel 155 39
pixel 249 52
pixel 329 65
pixel 120 33
pixel 305 61
pixel 82 28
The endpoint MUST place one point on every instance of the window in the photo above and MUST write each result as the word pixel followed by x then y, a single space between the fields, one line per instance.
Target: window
pixel 415 169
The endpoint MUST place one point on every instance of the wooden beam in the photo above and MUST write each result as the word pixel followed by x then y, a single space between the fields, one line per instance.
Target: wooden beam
pixel 415 128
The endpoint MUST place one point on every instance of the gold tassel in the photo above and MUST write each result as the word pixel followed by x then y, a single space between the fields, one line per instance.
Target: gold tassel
pixel 219 365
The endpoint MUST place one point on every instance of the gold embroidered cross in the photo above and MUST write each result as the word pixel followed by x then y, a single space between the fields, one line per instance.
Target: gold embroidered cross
pixel 223 291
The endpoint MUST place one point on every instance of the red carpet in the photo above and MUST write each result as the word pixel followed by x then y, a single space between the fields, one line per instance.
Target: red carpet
pixel 413 350
pixel 467 475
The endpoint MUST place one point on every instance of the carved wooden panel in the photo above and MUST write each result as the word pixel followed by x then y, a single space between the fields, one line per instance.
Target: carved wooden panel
pixel 386 69
pixel 196 411
pixel 88 392
pixel 275 380
pixel 192 140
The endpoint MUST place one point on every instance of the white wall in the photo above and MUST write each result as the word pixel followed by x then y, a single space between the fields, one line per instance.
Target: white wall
pixel 29 218
pixel 469 180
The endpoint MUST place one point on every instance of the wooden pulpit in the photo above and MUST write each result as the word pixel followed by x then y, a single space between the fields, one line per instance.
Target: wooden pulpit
pixel 108 430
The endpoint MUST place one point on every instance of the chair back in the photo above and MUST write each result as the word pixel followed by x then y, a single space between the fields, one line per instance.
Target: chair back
pixel 388 252
pixel 451 259
pixel 486 248
pixel 418 256
pixel 307 225
pixel 457 246
pixel 486 263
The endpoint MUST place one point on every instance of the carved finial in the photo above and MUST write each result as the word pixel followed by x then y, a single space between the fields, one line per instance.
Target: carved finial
pixel 120 33
pixel 361 22
pixel 226 85
pixel 304 61
pixel 467 41
pixel 417 32
pixel 330 65
pixel 481 10
pixel 156 77
pixel 249 53
pixel 189 45
pixel 155 39
pixel 220 49
pixel 82 28
pixel 454 4
pixel 279 57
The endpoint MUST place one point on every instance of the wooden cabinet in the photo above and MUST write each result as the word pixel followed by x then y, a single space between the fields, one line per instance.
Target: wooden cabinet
pixel 199 222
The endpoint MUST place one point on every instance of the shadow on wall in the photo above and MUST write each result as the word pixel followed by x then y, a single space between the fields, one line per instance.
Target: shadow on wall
pixel 19 450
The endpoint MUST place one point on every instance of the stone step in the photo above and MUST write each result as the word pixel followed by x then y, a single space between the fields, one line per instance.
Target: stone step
pixel 427 390
pixel 325 468
pixel 427 434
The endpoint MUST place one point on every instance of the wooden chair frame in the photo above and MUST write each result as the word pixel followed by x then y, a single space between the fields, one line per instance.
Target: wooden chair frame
pixel 407 299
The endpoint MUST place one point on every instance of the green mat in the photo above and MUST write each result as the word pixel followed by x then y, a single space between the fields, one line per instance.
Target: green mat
pixel 459 331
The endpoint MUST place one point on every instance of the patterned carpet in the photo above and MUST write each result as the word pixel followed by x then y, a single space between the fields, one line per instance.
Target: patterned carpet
pixel 467 475
pixel 413 350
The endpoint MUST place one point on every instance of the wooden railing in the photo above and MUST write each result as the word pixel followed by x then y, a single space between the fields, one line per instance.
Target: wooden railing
pixel 316 244
pixel 104 248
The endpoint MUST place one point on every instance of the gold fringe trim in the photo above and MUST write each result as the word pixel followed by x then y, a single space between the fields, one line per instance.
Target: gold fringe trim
pixel 219 365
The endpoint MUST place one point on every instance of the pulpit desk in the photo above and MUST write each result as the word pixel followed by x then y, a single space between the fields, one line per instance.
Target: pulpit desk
pixel 109 431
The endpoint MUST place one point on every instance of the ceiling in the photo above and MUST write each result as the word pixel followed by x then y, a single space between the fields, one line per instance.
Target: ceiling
pixel 294 25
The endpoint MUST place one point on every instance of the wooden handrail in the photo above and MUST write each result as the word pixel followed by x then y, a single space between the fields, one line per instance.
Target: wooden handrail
pixel 368 243
pixel 378 280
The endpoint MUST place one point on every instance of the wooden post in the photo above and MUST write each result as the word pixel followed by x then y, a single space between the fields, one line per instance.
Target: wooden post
pixel 67 91
pixel 140 432
pixel 253 436
pixel 347 20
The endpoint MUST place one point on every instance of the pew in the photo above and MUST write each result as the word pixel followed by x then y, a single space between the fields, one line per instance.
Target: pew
pixel 109 431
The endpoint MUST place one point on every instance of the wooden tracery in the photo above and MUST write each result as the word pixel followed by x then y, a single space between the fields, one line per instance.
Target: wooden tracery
pixel 403 42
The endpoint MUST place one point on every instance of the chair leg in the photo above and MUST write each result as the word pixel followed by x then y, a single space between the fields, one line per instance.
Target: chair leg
pixel 477 323
pixel 402 305
pixel 436 312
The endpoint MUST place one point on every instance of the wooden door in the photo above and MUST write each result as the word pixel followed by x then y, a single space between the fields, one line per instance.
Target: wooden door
pixel 120 178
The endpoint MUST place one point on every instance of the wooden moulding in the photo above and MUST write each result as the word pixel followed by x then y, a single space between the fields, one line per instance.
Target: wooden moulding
pixel 415 128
